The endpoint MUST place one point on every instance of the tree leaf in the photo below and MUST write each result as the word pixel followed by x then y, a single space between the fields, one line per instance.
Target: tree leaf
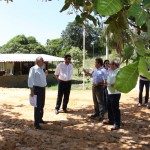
pixel 147 52
pixel 146 4
pixel 65 7
pixel 90 17
pixel 143 67
pixel 78 19
pixel 127 78
pixel 140 47
pixel 148 62
pixel 128 52
pixel 79 3
pixel 148 27
pixel 107 7
pixel 140 15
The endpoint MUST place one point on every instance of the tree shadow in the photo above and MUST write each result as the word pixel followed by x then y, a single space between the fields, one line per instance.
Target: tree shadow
pixel 75 131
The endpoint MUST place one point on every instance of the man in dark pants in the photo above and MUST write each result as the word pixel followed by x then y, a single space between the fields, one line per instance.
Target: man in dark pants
pixel 114 116
pixel 98 89
pixel 37 83
pixel 63 74
pixel 143 81
pixel 114 111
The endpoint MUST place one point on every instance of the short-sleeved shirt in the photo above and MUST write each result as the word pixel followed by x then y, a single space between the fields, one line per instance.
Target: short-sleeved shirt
pixel 98 75
pixel 106 72
pixel 64 71
pixel 36 77
pixel 111 80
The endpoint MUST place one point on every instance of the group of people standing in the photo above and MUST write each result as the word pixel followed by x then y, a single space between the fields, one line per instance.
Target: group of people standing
pixel 37 83
pixel 105 97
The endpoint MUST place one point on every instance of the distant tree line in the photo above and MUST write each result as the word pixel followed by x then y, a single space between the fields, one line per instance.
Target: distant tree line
pixel 70 37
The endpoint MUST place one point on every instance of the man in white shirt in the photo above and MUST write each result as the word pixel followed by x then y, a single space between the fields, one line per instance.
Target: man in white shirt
pixel 114 115
pixel 63 74
pixel 37 83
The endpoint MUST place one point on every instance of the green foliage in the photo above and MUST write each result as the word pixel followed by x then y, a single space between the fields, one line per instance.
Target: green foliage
pixel 73 36
pixel 54 47
pixel 148 27
pixel 128 52
pixel 143 67
pixel 128 32
pixel 140 47
pixel 76 54
pixel 127 77
pixel 108 7
pixel 146 4
pixel 22 44
pixel 140 14
pixel 31 40
pixel 122 17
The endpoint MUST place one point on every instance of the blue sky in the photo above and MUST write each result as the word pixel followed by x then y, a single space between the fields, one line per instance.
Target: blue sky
pixel 32 18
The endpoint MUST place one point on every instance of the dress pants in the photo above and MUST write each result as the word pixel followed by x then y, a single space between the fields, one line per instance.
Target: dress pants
pixel 141 86
pixel 98 99
pixel 113 109
pixel 105 98
pixel 64 88
pixel 39 110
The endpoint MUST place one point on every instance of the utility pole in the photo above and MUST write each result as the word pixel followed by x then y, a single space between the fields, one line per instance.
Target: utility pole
pixel 83 47
pixel 83 56
pixel 107 51
pixel 93 48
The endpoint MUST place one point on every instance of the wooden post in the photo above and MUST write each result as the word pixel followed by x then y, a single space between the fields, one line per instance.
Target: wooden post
pixel 20 69
pixel 5 64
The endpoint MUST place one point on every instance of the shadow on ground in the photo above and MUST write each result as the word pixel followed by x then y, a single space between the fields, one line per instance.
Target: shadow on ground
pixel 76 132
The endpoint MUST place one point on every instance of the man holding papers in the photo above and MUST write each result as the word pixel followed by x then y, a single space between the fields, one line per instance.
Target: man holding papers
pixel 37 83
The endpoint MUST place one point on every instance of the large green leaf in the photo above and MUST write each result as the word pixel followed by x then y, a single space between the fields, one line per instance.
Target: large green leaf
pixel 147 52
pixel 107 7
pixel 143 68
pixel 128 52
pixel 146 4
pixel 148 62
pixel 148 27
pixel 140 15
pixel 127 78
pixel 140 47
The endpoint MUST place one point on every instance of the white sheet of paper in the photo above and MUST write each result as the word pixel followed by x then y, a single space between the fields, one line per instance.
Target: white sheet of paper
pixel 33 100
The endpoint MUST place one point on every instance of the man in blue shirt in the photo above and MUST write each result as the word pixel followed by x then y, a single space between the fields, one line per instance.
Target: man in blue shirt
pixel 97 88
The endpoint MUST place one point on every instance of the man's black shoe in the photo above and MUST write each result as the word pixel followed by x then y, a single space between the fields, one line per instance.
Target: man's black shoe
pixel 108 123
pixel 94 115
pixel 101 118
pixel 38 127
pixel 65 111
pixel 115 128
pixel 56 111
pixel 43 122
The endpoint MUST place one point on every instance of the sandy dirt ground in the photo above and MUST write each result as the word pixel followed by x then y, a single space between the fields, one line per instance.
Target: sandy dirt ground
pixel 74 130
